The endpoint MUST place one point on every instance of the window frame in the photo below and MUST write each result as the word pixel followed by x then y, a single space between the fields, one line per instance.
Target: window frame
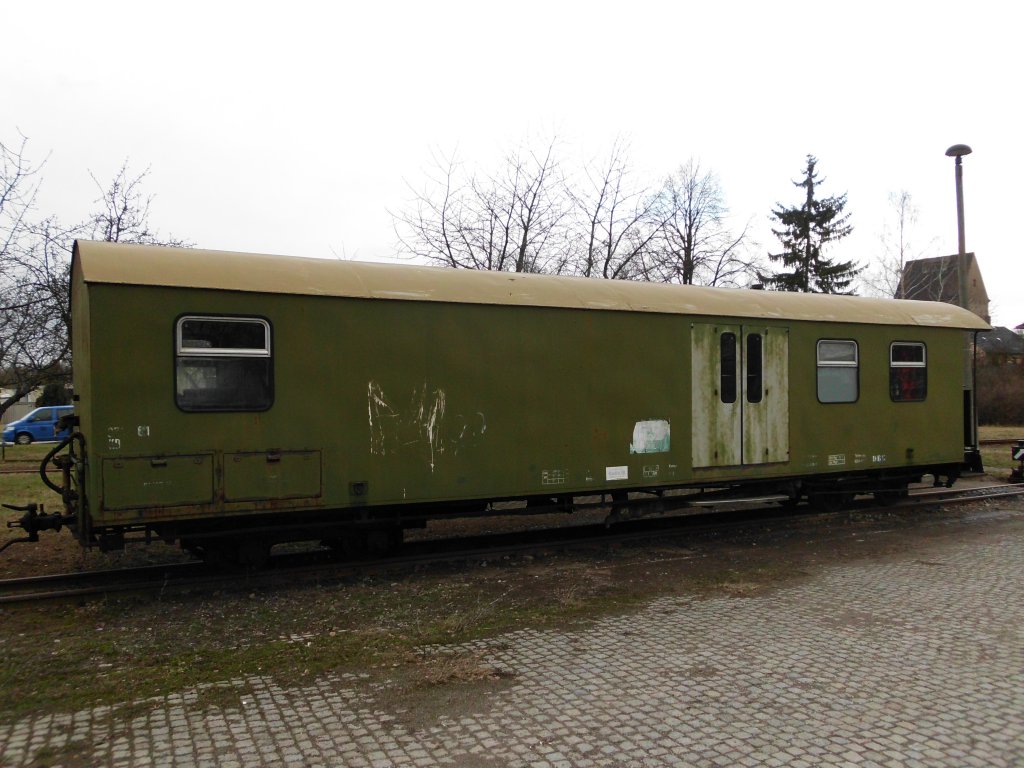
pixel 181 351
pixel 855 364
pixel 224 353
pixel 923 365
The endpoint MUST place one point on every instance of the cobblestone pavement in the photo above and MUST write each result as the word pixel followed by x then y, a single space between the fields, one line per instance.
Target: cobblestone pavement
pixel 909 660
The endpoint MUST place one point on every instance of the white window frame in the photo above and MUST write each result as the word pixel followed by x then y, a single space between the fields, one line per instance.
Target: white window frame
pixel 909 364
pixel 184 351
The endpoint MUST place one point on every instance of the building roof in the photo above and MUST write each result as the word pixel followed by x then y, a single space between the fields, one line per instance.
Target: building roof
pixel 1001 341
pixel 117 263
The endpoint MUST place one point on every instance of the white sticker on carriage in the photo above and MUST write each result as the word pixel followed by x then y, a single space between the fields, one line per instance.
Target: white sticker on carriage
pixel 652 436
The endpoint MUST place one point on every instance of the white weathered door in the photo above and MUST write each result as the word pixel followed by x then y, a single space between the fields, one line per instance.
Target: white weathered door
pixel 740 395
pixel 717 427
pixel 765 404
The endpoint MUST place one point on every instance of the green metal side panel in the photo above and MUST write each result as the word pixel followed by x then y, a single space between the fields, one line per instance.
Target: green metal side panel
pixel 874 432
pixel 407 401
pixel 272 475
pixel 766 423
pixel 164 481
pixel 717 427
pixel 404 401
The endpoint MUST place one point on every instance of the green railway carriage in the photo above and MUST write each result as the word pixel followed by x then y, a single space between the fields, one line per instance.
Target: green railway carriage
pixel 228 398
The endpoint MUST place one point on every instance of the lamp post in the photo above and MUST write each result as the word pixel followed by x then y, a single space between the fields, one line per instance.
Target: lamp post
pixel 972 456
pixel 958 151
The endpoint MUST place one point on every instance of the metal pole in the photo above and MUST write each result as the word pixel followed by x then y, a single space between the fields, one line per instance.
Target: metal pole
pixel 960 203
pixel 961 238
pixel 958 151
pixel 972 457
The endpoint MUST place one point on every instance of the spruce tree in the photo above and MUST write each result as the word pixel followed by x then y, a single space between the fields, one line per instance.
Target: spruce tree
pixel 804 231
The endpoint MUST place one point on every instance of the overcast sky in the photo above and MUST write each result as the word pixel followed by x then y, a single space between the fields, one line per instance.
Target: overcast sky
pixel 296 127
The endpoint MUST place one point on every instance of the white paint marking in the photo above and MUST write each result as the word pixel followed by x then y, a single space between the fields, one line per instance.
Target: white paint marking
pixel 652 436
pixel 616 473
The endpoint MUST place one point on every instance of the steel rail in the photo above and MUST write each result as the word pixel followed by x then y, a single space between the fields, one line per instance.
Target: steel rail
pixel 176 576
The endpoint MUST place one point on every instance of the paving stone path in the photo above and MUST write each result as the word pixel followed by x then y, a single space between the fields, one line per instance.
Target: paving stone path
pixel 908 660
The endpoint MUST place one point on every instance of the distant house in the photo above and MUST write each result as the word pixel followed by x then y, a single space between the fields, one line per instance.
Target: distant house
pixel 937 279
pixel 1019 330
pixel 1001 346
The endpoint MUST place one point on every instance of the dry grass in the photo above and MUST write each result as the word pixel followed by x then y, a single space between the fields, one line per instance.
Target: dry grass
pixel 24 455
pixel 989 432
pixel 741 588
pixel 463 667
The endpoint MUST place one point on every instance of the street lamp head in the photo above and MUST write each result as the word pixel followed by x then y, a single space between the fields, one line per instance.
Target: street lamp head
pixel 958 150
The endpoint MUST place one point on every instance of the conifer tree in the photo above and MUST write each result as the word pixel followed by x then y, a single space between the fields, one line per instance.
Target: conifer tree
pixel 804 232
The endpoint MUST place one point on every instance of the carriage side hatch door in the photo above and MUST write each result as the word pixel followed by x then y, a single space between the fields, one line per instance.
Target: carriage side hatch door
pixel 739 394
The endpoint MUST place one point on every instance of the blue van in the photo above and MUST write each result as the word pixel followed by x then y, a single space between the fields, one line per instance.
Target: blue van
pixel 40 424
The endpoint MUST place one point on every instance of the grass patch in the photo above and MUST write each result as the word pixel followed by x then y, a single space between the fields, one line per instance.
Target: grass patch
pixel 21 488
pixel 461 667
pixel 17 455
pixel 65 658
pixel 997 459
pixel 1000 433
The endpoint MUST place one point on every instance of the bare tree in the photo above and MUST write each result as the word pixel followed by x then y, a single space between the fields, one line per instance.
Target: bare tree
pixel 509 221
pixel 34 335
pixel 616 223
pixel 35 323
pixel 122 212
pixel 29 354
pixel 602 222
pixel 696 244
pixel 897 247
pixel 17 194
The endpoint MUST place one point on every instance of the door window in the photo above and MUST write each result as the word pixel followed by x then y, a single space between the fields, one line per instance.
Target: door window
pixel 755 368
pixel 728 368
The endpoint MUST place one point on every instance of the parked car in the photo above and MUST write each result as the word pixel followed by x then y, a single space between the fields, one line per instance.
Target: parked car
pixel 38 425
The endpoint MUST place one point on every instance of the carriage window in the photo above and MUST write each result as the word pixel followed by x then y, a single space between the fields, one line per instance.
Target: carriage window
pixel 754 367
pixel 837 371
pixel 223 364
pixel 727 389
pixel 908 372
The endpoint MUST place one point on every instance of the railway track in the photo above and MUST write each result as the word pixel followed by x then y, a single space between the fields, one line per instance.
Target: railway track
pixel 190 576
